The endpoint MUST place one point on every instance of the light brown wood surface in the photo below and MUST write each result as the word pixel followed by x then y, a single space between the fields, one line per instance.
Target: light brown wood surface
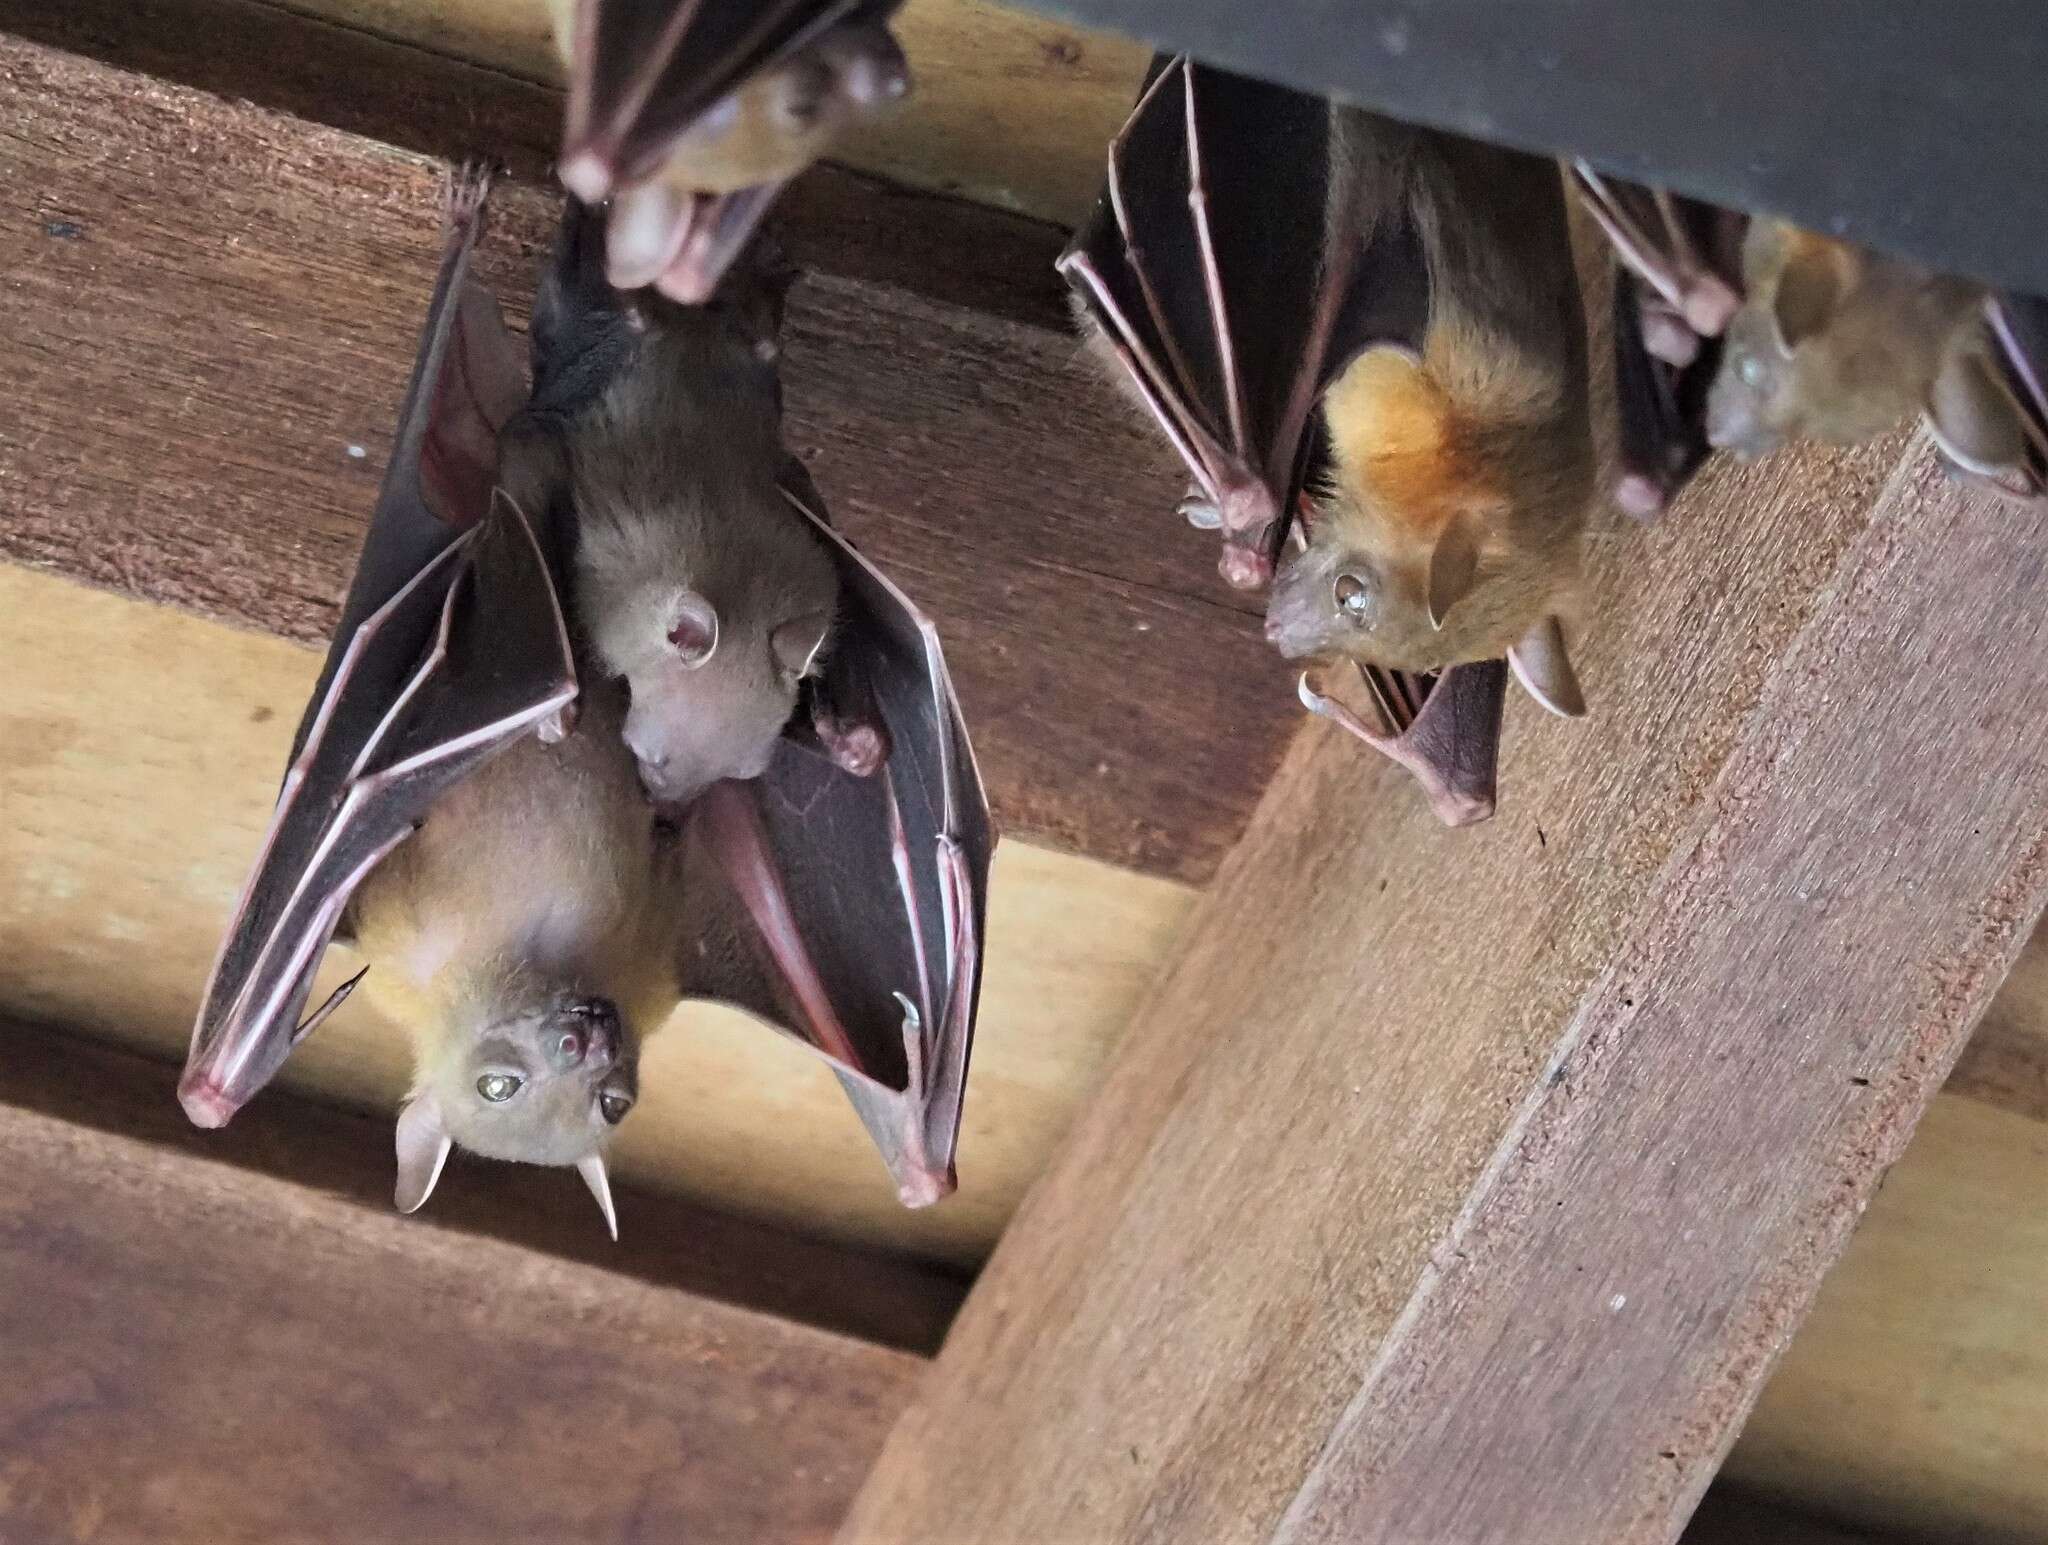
pixel 140 751
pixel 1473 1200
pixel 211 304
pixel 197 1351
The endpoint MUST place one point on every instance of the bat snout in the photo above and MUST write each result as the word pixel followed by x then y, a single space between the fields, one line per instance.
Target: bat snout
pixel 583 1033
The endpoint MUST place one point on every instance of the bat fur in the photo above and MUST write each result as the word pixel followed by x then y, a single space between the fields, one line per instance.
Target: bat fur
pixel 526 936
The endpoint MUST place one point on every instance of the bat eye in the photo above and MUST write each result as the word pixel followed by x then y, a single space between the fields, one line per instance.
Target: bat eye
pixel 1353 595
pixel 1751 370
pixel 614 1106
pixel 499 1087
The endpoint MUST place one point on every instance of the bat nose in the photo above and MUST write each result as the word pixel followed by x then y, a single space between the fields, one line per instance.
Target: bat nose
pixel 586 1030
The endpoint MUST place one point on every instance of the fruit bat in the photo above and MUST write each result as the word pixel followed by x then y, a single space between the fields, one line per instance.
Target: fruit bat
pixel 1750 333
pixel 1365 341
pixel 655 428
pixel 520 901
pixel 691 115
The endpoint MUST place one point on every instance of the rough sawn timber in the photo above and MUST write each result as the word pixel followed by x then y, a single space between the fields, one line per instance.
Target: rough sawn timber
pixel 1469 1193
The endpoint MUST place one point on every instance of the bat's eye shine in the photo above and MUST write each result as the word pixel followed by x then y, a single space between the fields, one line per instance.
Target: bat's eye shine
pixel 1751 370
pixel 614 1106
pixel 1353 595
pixel 499 1087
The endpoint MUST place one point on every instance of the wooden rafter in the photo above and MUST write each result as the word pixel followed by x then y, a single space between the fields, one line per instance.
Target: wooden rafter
pixel 1466 1187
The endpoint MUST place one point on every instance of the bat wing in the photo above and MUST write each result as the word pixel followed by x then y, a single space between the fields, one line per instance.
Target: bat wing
pixel 864 892
pixel 648 78
pixel 451 645
pixel 1204 267
pixel 2019 334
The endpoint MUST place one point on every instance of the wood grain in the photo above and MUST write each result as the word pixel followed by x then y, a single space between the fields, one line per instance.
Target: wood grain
pixel 200 1352
pixel 140 750
pixel 213 308
pixel 1472 1200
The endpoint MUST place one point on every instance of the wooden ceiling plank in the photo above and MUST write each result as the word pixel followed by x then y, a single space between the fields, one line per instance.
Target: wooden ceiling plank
pixel 198 1350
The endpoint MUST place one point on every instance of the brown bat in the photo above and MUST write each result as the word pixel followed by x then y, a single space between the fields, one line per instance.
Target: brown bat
pixel 656 429
pixel 1365 338
pixel 532 919
pixel 691 115
pixel 1759 332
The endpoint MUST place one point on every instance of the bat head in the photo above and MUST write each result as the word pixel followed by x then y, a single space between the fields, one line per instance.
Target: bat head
pixel 1834 343
pixel 1437 538
pixel 539 1077
pixel 709 700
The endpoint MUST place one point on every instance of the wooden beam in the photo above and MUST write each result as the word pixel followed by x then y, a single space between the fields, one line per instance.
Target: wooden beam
pixel 214 306
pixel 1466 1186
pixel 199 1351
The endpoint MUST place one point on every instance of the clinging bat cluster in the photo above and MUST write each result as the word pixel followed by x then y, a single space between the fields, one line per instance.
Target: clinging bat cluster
pixel 1367 342
pixel 613 717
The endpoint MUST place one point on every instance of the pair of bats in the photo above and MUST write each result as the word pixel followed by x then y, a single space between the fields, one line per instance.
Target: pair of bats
pixel 1366 340
pixel 613 716
pixel 1742 334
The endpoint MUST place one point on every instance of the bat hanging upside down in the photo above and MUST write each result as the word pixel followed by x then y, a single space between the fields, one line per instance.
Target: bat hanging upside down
pixel 1745 334
pixel 1366 341
pixel 468 801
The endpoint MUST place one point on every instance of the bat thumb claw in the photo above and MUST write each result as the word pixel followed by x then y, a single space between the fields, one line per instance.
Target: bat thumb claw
pixel 1244 569
pixel 206 1104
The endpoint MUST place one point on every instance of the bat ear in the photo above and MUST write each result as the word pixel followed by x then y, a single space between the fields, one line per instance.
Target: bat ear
pixel 692 628
pixel 1544 669
pixel 1810 289
pixel 1453 566
pixel 796 642
pixel 594 1176
pixel 423 1144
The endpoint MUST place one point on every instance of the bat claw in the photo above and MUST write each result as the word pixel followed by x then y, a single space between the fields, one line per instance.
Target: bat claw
pixel 1244 568
pixel 206 1104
